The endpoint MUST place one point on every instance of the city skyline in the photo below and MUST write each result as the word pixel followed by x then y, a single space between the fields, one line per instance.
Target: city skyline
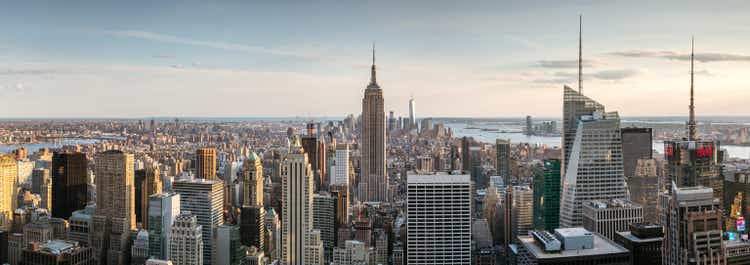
pixel 204 60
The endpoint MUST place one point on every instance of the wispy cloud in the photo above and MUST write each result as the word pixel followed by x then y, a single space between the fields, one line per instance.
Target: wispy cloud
pixel 671 55
pixel 222 45
pixel 563 63
pixel 569 77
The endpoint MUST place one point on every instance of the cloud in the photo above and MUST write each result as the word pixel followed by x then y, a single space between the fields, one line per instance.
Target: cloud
pixel 569 77
pixel 10 72
pixel 671 55
pixel 237 47
pixel 563 63
pixel 615 75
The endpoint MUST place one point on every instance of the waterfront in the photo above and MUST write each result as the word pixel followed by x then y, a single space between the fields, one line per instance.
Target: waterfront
pixel 515 135
pixel 36 146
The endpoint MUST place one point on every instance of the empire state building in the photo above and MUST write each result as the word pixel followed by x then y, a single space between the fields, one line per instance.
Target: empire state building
pixel 373 184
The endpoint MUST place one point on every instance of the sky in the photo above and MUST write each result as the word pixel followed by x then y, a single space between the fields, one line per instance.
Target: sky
pixel 138 59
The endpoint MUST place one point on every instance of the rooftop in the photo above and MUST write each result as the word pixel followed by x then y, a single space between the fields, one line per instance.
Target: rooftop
pixel 602 246
pixel 438 178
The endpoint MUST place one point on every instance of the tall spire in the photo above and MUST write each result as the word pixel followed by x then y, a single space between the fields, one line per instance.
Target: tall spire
pixel 373 80
pixel 580 54
pixel 691 121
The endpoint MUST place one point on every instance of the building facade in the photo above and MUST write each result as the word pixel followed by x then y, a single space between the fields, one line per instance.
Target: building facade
pixel 439 216
pixel 203 198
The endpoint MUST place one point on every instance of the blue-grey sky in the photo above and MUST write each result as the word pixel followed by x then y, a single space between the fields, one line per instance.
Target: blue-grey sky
pixel 299 58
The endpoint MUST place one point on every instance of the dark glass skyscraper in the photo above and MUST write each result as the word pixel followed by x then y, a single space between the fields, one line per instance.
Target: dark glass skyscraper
pixel 547 196
pixel 636 144
pixel 69 186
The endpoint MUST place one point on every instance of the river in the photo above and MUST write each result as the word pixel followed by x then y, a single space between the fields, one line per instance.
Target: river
pixel 514 134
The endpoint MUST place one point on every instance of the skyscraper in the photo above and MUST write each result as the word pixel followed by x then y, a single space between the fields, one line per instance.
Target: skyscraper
pixel 692 222
pixel 186 241
pixel 163 209
pixel 205 163
pixel 324 219
pixel 151 185
pixel 8 174
pixel 636 144
pixel 314 147
pixel 115 207
pixel 547 196
pixel 439 214
pixel 252 215
pixel 69 183
pixel 297 201
pixel 340 167
pixel 373 185
pixel 522 211
pixel 42 185
pixel 412 112
pixel 594 165
pixel 575 105
pixel 204 198
pixel 502 166
pixel 609 217
pixel 693 161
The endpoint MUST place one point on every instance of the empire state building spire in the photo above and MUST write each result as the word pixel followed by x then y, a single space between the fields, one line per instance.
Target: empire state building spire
pixel 373 80
pixel 691 122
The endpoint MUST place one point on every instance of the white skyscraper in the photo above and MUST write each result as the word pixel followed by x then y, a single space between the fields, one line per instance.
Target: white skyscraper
pixel 340 167
pixel 439 219
pixel 412 113
pixel 297 216
pixel 595 168
pixel 204 198
pixel 186 241
pixel 163 208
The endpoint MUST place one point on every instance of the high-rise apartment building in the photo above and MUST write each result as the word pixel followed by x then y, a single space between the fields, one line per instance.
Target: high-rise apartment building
pixel 203 198
pixel 186 241
pixel 439 216
pixel 163 208
pixel 69 183
pixel 502 163
pixel 609 217
pixel 115 207
pixel 594 160
pixel 373 184
pixel 205 163
pixel 297 202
